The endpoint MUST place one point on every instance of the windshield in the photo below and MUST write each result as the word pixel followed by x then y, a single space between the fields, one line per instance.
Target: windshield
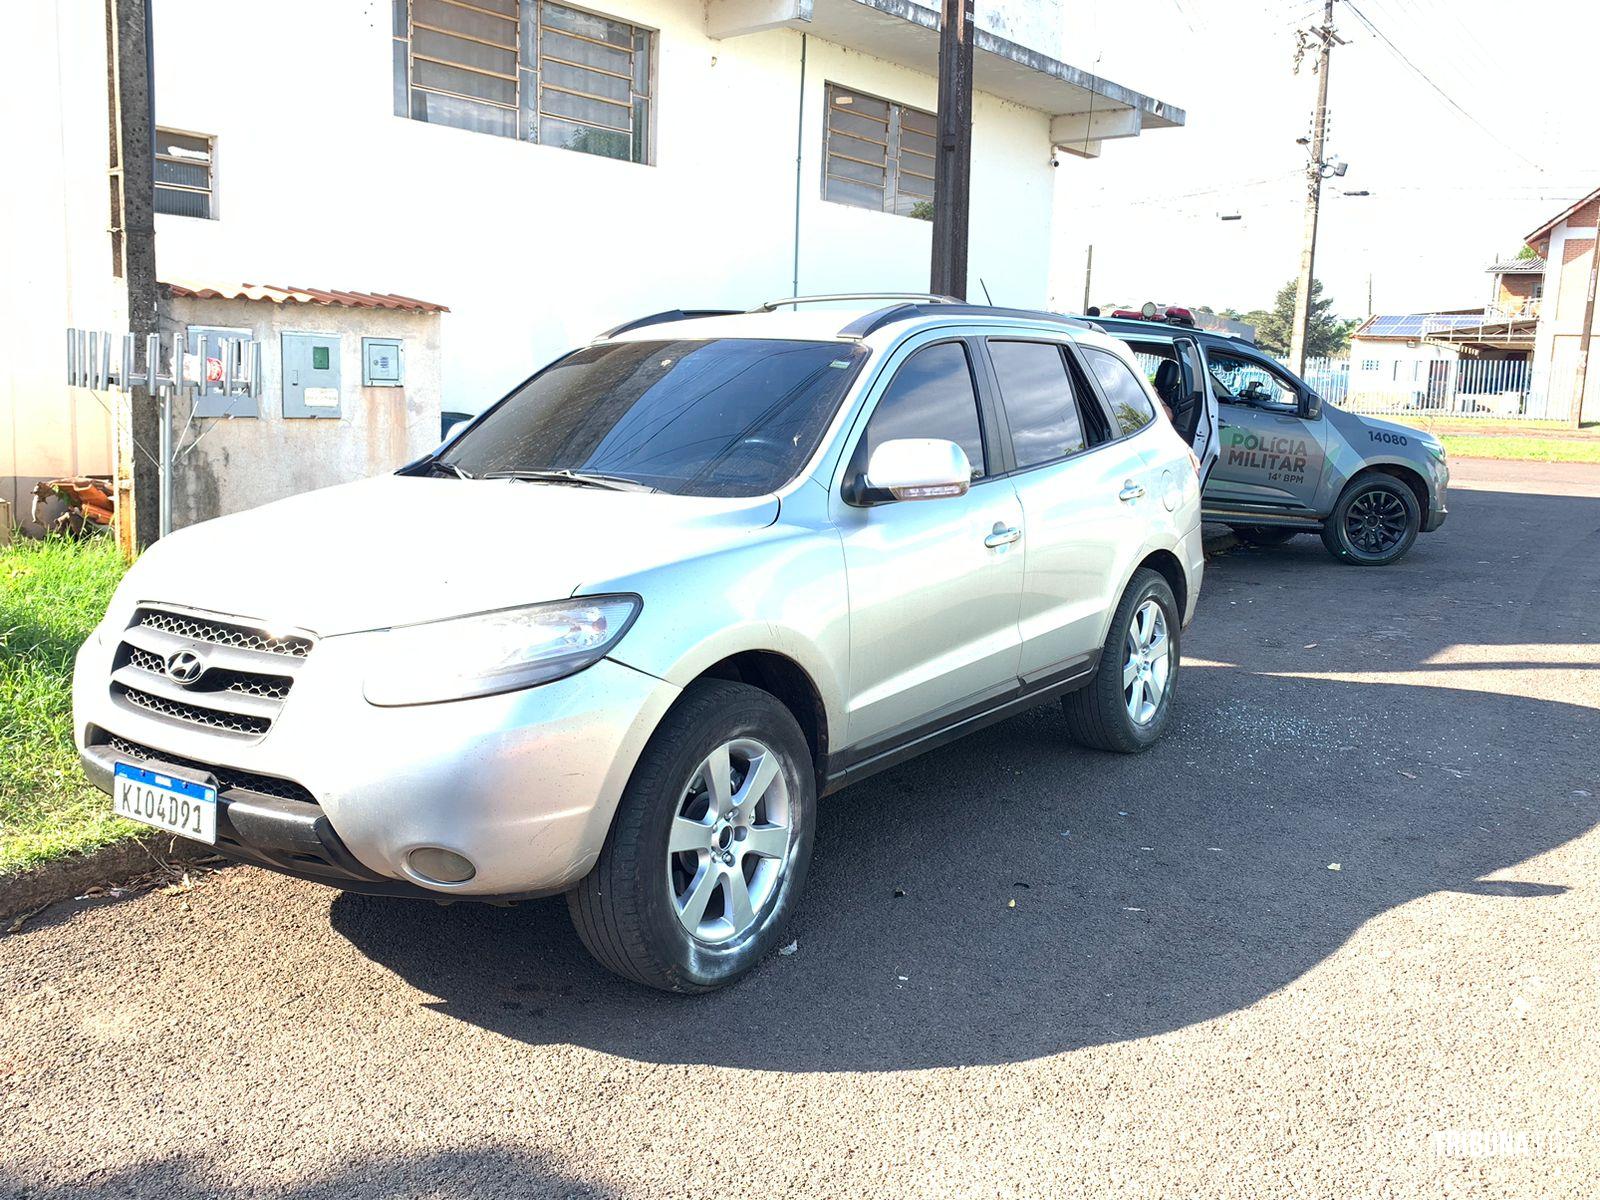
pixel 728 417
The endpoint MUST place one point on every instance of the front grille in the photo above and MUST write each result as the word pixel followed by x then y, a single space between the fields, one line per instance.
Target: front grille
pixel 227 777
pixel 177 710
pixel 221 633
pixel 242 680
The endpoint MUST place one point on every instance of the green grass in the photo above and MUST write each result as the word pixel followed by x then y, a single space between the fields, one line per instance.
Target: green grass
pixel 51 595
pixel 1523 449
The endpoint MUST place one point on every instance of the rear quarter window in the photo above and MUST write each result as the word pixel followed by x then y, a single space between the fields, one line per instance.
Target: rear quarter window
pixel 1131 406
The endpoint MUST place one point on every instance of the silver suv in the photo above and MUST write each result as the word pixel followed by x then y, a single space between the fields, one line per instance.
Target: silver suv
pixel 618 635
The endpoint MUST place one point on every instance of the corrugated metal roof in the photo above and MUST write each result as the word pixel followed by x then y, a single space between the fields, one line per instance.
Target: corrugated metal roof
pixel 1517 266
pixel 298 295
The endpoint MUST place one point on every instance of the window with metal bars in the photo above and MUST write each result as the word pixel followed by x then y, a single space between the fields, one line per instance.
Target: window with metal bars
pixel 879 154
pixel 183 174
pixel 529 69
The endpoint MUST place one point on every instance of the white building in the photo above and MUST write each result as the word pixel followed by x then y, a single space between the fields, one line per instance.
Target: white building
pixel 542 170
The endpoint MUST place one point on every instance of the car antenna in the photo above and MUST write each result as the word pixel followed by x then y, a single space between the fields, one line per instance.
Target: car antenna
pixel 985 288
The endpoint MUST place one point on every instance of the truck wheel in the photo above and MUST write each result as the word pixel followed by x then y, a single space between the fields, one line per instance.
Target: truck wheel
pixel 1264 535
pixel 1374 523
pixel 1127 704
pixel 708 852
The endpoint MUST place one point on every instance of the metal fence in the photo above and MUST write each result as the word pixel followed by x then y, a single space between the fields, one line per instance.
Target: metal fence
pixel 1469 387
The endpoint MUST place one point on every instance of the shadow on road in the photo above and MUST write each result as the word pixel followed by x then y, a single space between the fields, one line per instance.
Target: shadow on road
pixel 486 1171
pixel 1148 892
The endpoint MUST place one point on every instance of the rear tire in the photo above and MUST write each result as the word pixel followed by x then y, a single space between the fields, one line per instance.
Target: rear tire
pixel 1374 523
pixel 1265 535
pixel 1141 653
pixel 703 867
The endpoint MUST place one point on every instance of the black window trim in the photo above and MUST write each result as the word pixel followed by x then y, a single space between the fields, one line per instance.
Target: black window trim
pixel 1079 378
pixel 995 436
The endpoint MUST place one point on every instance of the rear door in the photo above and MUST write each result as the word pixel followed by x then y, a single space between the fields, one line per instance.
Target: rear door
pixel 1196 381
pixel 1271 453
pixel 1071 481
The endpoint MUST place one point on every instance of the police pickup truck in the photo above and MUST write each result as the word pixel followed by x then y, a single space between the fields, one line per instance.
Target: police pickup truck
pixel 1275 460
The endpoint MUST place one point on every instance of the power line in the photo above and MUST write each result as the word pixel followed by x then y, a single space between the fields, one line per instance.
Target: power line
pixel 1423 75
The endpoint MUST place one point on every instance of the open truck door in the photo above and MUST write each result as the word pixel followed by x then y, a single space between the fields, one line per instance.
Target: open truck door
pixel 1196 413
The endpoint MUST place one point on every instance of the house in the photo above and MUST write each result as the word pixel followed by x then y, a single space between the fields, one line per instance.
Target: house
pixel 545 170
pixel 1396 363
pixel 1566 244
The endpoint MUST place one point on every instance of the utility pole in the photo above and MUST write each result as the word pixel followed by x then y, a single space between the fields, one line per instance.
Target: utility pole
pixel 1576 418
pixel 952 171
pixel 1369 293
pixel 1088 277
pixel 131 103
pixel 1324 38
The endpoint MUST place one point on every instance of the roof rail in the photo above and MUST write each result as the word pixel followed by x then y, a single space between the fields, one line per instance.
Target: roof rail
pixel 873 321
pixel 671 314
pixel 925 297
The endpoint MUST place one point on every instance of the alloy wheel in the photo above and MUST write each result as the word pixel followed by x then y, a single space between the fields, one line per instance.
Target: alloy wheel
pixel 1375 522
pixel 730 841
pixel 1147 668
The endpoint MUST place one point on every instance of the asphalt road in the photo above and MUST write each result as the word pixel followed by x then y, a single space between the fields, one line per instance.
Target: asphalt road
pixel 1336 936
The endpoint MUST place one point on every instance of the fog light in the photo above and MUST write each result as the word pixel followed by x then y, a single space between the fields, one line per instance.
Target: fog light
pixel 440 866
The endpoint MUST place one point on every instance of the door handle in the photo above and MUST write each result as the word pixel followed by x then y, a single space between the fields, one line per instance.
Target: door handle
pixel 1131 491
pixel 1003 535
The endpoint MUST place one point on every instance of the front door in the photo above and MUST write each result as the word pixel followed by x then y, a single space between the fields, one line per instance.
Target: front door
pixel 934 584
pixel 1200 419
pixel 1270 452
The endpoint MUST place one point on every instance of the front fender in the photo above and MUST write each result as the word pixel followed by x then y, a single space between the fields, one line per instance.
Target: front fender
pixel 782 592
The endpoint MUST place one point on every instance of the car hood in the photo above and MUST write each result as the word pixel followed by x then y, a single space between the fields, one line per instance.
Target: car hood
pixel 397 550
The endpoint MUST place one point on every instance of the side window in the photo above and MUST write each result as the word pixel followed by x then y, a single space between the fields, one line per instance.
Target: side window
pixel 931 396
pixel 1131 406
pixel 1040 405
pixel 1244 381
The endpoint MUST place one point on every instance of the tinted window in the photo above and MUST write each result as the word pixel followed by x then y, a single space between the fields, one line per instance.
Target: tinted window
pixel 931 396
pixel 730 417
pixel 1040 406
pixel 1131 408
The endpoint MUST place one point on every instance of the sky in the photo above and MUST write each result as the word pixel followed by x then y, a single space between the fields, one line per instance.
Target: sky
pixel 1456 180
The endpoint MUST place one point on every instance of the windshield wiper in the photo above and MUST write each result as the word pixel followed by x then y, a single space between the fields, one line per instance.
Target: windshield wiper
pixel 452 468
pixel 615 483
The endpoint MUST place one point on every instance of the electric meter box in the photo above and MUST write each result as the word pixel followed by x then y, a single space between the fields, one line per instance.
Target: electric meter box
pixel 311 375
pixel 382 362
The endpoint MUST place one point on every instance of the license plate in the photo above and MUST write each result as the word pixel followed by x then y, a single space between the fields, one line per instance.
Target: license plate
pixel 165 801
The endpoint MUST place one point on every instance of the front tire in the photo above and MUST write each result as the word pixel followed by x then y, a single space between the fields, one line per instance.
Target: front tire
pixel 708 851
pixel 1374 523
pixel 1127 704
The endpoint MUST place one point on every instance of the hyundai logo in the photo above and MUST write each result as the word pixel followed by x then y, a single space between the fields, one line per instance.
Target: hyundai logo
pixel 185 667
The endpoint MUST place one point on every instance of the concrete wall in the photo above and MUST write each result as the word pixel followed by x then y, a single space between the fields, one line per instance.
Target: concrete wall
pixel 241 462
pixel 55 253
pixel 536 248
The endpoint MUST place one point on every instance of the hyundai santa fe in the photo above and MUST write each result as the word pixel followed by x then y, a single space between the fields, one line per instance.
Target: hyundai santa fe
pixel 618 635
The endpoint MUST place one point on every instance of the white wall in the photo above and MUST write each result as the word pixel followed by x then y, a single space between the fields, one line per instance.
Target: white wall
pixel 55 253
pixel 535 248
pixel 1401 374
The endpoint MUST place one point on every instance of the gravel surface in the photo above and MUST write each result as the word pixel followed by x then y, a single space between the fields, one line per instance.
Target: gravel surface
pixel 1336 936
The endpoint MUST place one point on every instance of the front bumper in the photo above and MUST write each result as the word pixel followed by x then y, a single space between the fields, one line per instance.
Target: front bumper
pixel 522 784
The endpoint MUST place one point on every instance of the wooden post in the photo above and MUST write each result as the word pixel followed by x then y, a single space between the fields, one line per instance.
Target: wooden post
pixel 952 172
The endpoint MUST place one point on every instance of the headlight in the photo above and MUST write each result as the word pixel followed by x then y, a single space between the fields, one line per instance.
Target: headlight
pixel 498 651
pixel 1436 449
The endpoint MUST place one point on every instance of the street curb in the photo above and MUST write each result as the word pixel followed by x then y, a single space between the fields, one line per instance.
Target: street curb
pixel 1219 541
pixel 63 878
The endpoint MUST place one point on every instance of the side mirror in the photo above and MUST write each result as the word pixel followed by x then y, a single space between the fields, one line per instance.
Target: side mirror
pixel 1313 406
pixel 919 469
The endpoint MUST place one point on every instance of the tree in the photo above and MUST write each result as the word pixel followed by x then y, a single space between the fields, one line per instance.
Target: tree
pixel 1326 334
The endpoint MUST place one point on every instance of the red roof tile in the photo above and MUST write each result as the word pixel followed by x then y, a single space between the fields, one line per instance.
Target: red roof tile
pixel 299 295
